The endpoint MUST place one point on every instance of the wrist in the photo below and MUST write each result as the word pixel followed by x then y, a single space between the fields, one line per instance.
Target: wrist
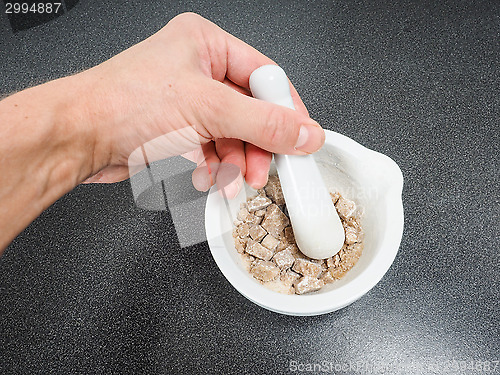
pixel 70 134
pixel 101 113
pixel 83 115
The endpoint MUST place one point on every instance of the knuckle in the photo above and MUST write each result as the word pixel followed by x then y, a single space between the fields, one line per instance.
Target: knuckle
pixel 207 109
pixel 276 128
pixel 213 108
pixel 186 17
pixel 186 24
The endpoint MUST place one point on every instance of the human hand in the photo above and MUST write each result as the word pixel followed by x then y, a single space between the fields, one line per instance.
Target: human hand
pixel 185 91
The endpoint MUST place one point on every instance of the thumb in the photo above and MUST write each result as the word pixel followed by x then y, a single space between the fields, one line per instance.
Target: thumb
pixel 269 126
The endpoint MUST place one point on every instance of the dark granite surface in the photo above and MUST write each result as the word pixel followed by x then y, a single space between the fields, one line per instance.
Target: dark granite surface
pixel 96 285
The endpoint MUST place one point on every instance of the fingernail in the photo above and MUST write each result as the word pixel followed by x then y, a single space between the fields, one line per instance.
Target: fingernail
pixel 201 179
pixel 303 135
pixel 311 137
pixel 93 179
pixel 203 176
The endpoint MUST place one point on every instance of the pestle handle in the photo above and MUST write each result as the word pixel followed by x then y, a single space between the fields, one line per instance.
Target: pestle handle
pixel 317 227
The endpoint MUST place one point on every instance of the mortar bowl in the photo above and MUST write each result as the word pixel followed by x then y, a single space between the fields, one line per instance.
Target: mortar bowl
pixel 372 180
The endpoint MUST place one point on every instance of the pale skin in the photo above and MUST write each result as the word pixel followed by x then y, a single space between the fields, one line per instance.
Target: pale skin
pixel 187 85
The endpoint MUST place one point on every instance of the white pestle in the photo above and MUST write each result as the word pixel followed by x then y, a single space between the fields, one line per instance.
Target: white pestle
pixel 316 225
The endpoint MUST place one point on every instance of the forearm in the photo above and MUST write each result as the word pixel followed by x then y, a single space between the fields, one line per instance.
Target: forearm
pixel 47 147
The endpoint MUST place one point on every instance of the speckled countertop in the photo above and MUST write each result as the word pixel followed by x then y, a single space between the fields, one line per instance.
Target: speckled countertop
pixel 97 285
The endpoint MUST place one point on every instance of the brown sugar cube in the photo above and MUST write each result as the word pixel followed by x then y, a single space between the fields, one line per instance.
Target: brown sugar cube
pixel 257 233
pixel 336 260
pixel 353 222
pixel 321 263
pixel 327 277
pixel 281 235
pixel 342 251
pixel 289 277
pixel 351 255
pixel 261 192
pixel 289 234
pixel 337 273
pixel 295 251
pixel 242 214
pixel 244 230
pixel 333 261
pixel 277 233
pixel 356 248
pixel 275 220
pixel 258 203
pixel 306 268
pixel 342 255
pixel 345 207
pixel 335 197
pixel 240 245
pixel 260 213
pixel 253 219
pixel 270 242
pixel 236 233
pixel 264 270
pixel 351 235
pixel 353 248
pixel 347 264
pixel 257 250
pixel 248 258
pixel 282 245
pixel 284 259
pixel 300 256
pixel 307 284
pixel 273 190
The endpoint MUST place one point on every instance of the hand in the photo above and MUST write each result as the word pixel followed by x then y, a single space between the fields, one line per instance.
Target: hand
pixel 185 91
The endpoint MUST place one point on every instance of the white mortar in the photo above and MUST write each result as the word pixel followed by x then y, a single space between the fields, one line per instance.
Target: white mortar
pixel 372 180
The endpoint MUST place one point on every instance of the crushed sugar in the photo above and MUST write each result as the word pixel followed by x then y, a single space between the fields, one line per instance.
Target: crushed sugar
pixel 264 238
